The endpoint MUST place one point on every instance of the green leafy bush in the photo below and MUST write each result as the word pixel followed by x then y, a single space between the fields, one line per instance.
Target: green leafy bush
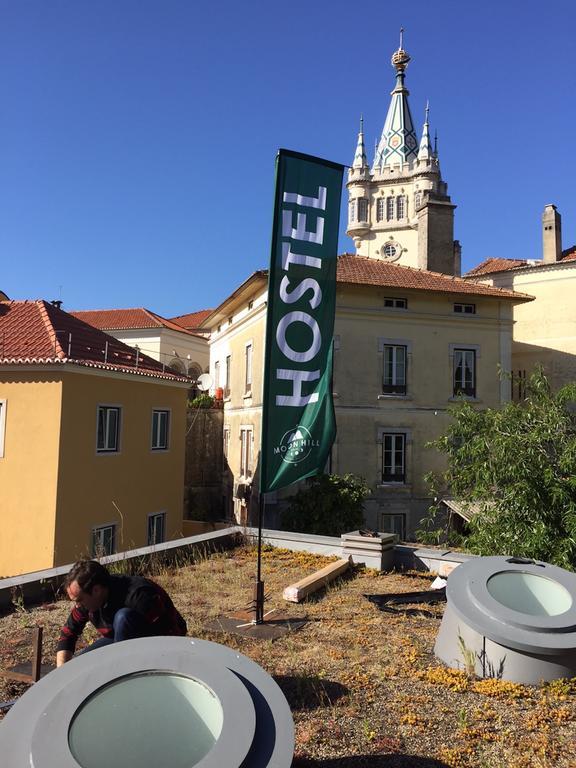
pixel 329 505
pixel 516 468
pixel 202 401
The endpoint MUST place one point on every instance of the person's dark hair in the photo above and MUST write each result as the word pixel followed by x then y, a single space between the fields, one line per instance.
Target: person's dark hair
pixel 87 573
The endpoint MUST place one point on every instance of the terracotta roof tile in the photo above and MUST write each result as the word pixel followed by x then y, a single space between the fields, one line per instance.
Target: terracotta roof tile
pixel 362 271
pixel 192 320
pixel 124 319
pixel 488 266
pixel 38 333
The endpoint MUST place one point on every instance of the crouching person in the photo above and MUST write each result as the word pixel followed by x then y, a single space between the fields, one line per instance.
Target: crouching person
pixel 120 607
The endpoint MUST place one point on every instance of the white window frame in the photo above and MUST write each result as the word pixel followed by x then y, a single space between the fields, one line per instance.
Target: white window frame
pixel 248 367
pixel 390 206
pixel 226 441
pixel 100 529
pixel 108 407
pixel 465 353
pixel 381 209
pixel 464 309
pixel 153 517
pixel 2 426
pixel 155 433
pixel 390 443
pixel 352 211
pixel 398 384
pixel 394 518
pixel 401 207
pixel 383 437
pixel 216 374
pixel 395 303
pixel 228 375
pixel 246 450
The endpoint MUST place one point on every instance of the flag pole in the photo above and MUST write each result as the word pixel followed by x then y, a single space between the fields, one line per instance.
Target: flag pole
pixel 259 584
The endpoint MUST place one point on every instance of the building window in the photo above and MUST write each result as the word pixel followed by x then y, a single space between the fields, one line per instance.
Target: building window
pixel 394 524
pixel 465 309
pixel 217 373
pixel 393 303
pixel 156 528
pixel 389 208
pixel 362 209
pixel 394 380
pixel 465 372
pixel 380 205
pixel 108 429
pixel 160 429
pixel 518 386
pixel 393 457
pixel 227 378
pixel 226 441
pixel 246 438
pixel 400 206
pixel 2 426
pixel 103 540
pixel 248 368
pixel 352 211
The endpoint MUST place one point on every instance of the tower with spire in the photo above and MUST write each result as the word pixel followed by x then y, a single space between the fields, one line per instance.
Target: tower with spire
pixel 399 209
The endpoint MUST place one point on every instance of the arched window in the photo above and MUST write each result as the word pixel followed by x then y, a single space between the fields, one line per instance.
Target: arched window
pixel 389 208
pixel 380 205
pixel 194 370
pixel 177 366
pixel 400 206
pixel 352 211
pixel 362 209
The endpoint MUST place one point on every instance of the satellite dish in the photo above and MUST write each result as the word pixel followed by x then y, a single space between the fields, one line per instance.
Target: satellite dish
pixel 204 382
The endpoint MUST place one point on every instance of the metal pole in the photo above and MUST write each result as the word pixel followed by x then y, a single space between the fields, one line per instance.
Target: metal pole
pixel 259 585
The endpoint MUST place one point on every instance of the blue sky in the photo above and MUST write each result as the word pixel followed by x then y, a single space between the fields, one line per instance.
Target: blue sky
pixel 137 137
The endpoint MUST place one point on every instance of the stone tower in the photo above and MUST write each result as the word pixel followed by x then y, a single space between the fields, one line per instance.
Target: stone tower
pixel 399 209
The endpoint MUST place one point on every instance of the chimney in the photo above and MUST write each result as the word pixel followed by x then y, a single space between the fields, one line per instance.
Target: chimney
pixel 551 235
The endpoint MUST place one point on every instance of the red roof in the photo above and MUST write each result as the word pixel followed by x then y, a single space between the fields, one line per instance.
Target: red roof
pixel 36 333
pixel 192 320
pixel 488 266
pixel 362 271
pixel 124 319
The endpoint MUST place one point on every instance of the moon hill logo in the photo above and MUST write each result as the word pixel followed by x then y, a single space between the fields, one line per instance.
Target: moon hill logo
pixel 296 445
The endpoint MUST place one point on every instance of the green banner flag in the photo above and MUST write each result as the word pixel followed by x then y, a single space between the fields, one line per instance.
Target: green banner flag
pixel 298 423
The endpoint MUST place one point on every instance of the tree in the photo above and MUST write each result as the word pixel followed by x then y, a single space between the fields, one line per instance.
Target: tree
pixel 517 465
pixel 329 505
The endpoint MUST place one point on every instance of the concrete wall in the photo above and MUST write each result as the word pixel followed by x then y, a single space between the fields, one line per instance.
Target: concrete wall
pixel 205 470
pixel 29 470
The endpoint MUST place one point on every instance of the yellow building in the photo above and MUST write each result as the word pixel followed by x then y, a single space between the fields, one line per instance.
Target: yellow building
pixel 91 442
pixel 408 343
pixel 545 329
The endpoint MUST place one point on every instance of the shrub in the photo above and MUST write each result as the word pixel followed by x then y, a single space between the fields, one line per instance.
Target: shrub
pixel 329 505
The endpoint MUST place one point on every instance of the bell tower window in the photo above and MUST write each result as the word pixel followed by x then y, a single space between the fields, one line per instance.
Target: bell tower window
pixel 352 211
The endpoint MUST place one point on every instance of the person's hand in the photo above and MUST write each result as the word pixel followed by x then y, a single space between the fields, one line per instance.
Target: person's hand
pixel 62 657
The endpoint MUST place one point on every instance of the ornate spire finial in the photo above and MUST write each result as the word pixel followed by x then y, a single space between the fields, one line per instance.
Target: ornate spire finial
pixel 400 58
pixel 425 150
pixel 360 161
